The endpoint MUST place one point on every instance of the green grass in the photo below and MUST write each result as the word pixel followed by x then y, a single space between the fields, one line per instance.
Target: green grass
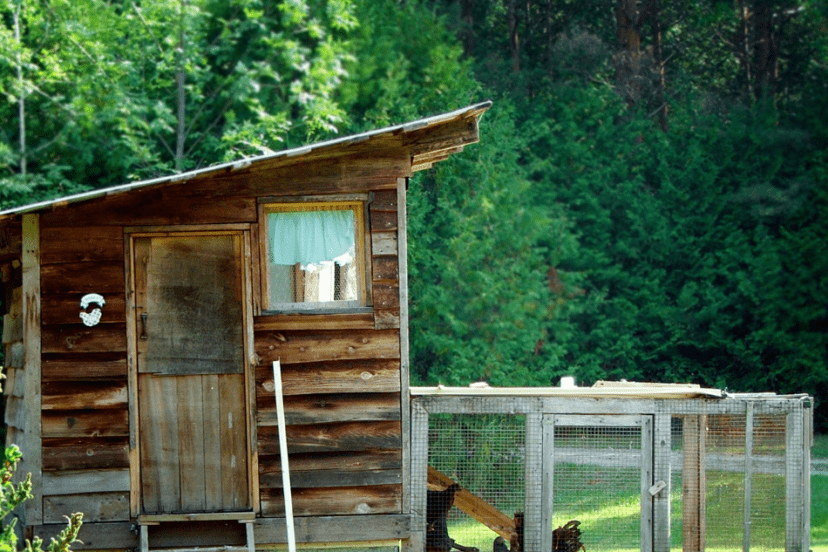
pixel 819 498
pixel 603 516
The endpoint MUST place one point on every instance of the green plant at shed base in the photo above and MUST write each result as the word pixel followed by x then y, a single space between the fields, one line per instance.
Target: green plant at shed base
pixel 11 496
pixel 14 495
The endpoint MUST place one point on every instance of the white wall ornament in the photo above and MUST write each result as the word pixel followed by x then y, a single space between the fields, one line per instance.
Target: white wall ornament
pixel 91 318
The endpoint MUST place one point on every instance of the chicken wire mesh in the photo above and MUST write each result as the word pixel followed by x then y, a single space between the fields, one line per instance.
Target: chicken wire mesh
pixel 597 481
pixel 485 455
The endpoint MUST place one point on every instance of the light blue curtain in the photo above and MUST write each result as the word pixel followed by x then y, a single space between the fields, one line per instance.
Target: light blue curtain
pixel 310 236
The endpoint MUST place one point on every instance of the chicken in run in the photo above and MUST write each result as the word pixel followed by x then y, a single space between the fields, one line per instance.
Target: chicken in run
pixel 438 503
pixel 564 539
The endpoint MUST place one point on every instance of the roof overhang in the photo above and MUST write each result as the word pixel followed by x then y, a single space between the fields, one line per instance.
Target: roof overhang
pixel 428 141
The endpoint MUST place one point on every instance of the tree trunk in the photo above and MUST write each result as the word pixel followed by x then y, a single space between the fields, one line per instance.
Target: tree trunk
pixel 21 101
pixel 514 37
pixel 766 50
pixel 628 60
pixel 745 56
pixel 467 17
pixel 658 61
pixel 180 79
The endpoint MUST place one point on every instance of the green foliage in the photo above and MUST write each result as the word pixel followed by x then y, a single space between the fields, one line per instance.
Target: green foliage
pixel 479 267
pixel 577 238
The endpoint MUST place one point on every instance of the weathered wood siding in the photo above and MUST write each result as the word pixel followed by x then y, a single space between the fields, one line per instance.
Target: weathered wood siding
pixel 341 371
pixel 341 381
pixel 84 372
pixel 13 348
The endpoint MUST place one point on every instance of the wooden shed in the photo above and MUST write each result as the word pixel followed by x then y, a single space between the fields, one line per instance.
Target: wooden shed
pixel 141 325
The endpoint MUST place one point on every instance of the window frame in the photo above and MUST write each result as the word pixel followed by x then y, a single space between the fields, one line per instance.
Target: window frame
pixel 359 205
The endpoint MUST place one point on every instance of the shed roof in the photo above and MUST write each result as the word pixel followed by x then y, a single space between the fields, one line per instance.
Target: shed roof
pixel 424 152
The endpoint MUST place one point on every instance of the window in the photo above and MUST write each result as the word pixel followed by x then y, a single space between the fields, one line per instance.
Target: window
pixel 315 256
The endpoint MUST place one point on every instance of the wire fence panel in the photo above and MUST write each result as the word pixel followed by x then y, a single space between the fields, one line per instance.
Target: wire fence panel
pixel 485 455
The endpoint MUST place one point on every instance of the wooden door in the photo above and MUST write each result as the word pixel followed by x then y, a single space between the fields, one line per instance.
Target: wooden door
pixel 191 373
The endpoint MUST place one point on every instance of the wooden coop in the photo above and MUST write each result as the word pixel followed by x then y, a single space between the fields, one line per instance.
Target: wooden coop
pixel 616 466
pixel 142 322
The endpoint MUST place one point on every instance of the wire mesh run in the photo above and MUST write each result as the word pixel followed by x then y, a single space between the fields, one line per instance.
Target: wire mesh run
pixel 730 474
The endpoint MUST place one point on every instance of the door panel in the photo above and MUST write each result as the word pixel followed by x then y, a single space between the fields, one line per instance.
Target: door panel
pixel 190 298
pixel 191 380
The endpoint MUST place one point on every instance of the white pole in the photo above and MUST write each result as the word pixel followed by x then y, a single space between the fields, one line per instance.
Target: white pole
pixel 283 454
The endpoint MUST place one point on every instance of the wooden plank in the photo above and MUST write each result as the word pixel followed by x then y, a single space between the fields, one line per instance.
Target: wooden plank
pixel 11 240
pixel 12 328
pixel 383 243
pixel 85 481
pixel 77 338
pixel 153 519
pixel 10 373
pixel 314 174
pixel 385 201
pixel 385 268
pixel 15 414
pixel 234 474
pixel 169 449
pixel 333 478
pixel 325 529
pixel 94 536
pixel 383 220
pixel 475 506
pixel 65 309
pixel 212 446
pixel 320 346
pixel 85 453
pixel 191 443
pixel 15 355
pixel 84 395
pixel 362 376
pixel 95 507
pixel 103 277
pixel 386 296
pixel 692 479
pixel 314 409
pixel 386 319
pixel 348 436
pixel 250 306
pixel 205 536
pixel 32 342
pixel 345 321
pixel 84 366
pixel 132 378
pixel 341 462
pixel 154 206
pixel 332 501
pixel 150 401
pixel 449 135
pixel 85 423
pixel 82 244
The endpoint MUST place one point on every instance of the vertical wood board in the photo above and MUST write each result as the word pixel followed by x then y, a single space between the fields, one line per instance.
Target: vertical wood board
pixel 32 342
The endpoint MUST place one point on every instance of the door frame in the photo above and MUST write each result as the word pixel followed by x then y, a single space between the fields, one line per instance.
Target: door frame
pixel 249 254
pixel 642 421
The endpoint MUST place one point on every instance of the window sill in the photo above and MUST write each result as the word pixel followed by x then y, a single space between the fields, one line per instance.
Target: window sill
pixel 351 318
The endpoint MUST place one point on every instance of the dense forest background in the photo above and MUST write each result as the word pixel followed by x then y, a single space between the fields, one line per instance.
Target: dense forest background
pixel 648 200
